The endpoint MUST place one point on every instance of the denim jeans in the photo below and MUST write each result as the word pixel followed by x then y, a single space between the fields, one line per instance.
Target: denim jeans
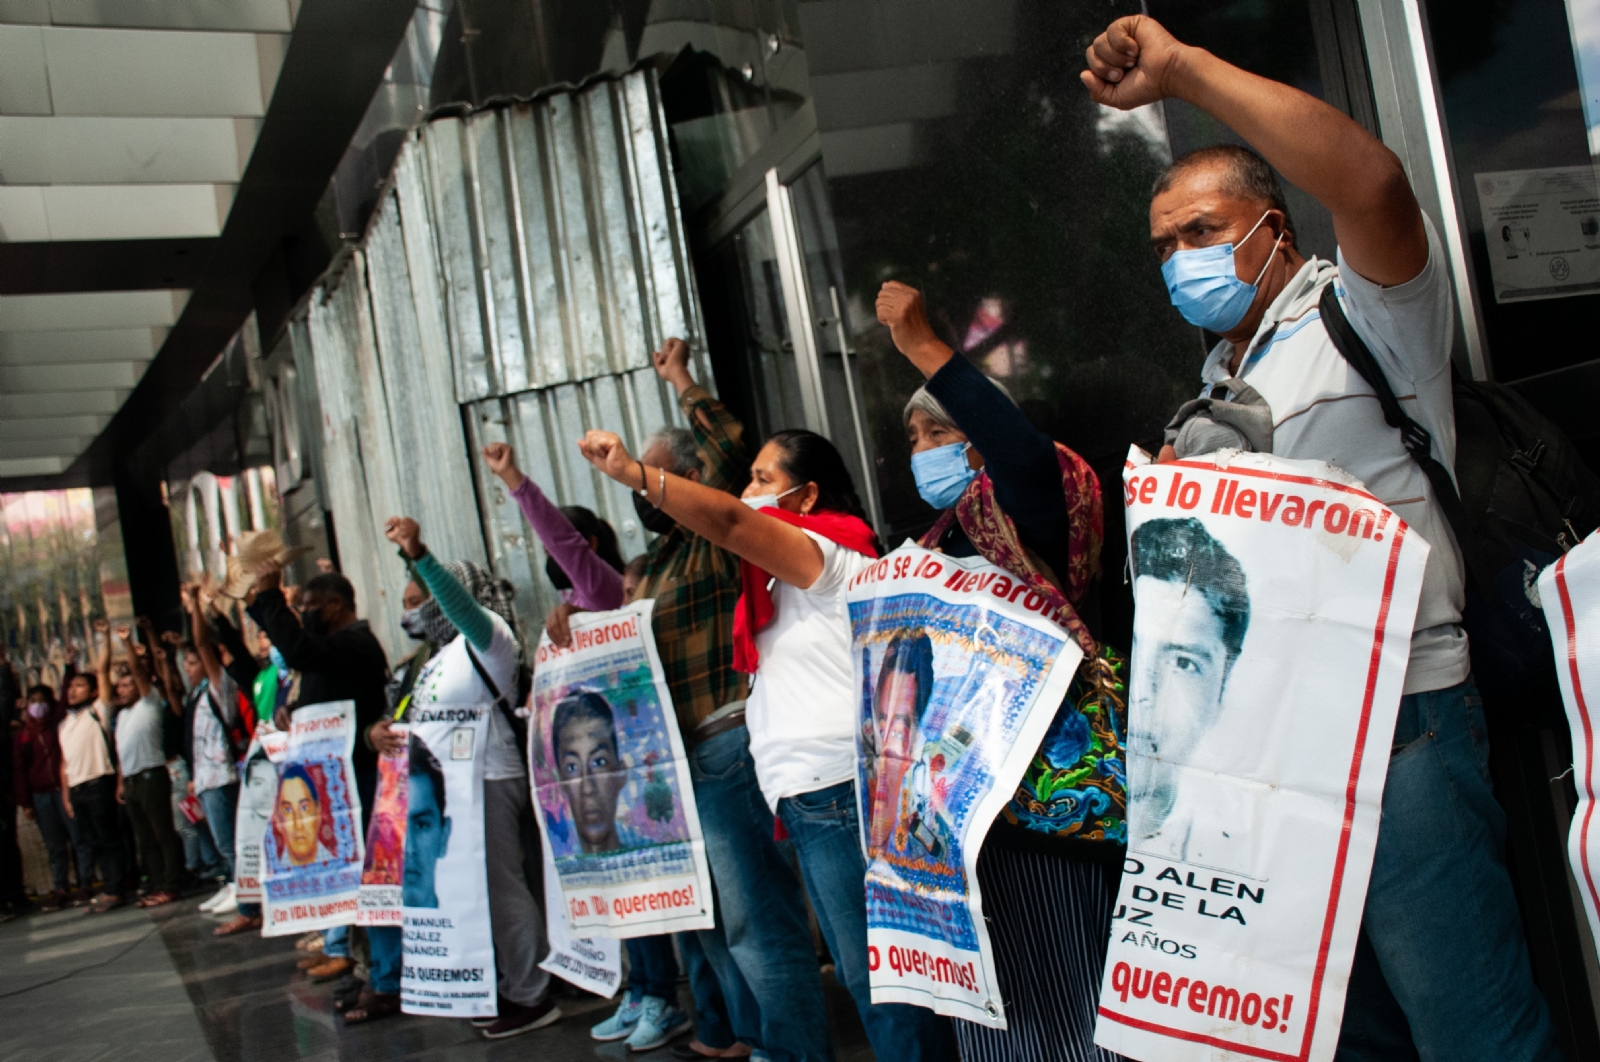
pixel 725 1012
pixel 827 834
pixel 652 967
pixel 220 805
pixel 763 909
pixel 55 827
pixel 336 942
pixel 383 956
pixel 1441 969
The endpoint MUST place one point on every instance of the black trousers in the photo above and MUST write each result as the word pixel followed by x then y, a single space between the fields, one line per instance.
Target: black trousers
pixel 94 807
pixel 149 798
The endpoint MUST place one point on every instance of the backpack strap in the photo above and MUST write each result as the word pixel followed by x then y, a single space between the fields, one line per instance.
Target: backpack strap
pixel 517 725
pixel 1413 436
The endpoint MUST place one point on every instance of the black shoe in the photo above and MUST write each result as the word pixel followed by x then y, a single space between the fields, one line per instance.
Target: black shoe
pixel 515 1019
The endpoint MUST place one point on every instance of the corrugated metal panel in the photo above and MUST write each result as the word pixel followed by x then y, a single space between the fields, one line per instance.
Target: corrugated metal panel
pixel 560 242
pixel 524 263
pixel 545 427
pixel 430 450
pixel 338 325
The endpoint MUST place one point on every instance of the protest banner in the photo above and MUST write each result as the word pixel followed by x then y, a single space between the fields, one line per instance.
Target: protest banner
pixel 611 784
pixel 313 841
pixel 1274 602
pixel 1569 591
pixel 961 669
pixel 447 954
pixel 594 964
pixel 257 791
pixel 378 900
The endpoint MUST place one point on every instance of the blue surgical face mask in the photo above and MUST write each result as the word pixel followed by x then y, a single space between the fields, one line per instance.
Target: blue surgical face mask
pixel 277 659
pixel 942 473
pixel 1205 287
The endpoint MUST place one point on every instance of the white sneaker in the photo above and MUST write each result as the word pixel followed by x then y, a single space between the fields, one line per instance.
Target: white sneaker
pixel 216 898
pixel 229 903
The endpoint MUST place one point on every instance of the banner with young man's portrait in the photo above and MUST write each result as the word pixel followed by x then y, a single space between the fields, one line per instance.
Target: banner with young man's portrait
pixel 383 869
pixel 258 792
pixel 1569 591
pixel 961 670
pixel 611 782
pixel 1274 602
pixel 312 845
pixel 447 951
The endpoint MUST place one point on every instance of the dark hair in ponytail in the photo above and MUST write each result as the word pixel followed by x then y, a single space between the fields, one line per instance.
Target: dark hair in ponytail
pixel 811 458
pixel 591 526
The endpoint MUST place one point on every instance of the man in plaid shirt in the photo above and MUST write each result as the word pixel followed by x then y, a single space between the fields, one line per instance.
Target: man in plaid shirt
pixel 761 949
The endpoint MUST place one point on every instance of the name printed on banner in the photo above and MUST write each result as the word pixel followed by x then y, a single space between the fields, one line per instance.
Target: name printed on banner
pixel 1230 498
pixel 1175 889
pixel 587 964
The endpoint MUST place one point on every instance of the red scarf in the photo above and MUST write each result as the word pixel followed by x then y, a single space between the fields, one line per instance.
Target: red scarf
pixel 755 609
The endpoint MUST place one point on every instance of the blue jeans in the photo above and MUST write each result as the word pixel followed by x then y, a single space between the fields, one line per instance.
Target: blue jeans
pixel 56 828
pixel 336 942
pixel 220 805
pixel 827 834
pixel 763 909
pixel 1441 967
pixel 652 968
pixel 200 852
pixel 725 1012
pixel 383 956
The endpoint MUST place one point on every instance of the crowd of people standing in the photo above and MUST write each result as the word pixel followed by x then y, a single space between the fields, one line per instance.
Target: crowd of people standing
pixel 754 545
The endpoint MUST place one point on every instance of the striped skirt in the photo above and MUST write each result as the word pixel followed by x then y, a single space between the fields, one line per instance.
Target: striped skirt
pixel 1049 922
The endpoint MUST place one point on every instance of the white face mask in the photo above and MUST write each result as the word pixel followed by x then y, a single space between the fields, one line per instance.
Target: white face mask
pixel 768 501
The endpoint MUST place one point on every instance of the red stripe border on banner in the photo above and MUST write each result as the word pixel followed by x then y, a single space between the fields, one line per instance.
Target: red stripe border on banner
pixel 1588 728
pixel 1337 888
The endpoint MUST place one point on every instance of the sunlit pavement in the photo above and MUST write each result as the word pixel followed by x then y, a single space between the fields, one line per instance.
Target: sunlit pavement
pixel 136 986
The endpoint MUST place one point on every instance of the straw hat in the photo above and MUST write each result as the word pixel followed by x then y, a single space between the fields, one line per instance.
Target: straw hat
pixel 255 549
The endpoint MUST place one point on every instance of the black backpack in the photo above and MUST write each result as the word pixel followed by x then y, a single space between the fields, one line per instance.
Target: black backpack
pixel 1525 498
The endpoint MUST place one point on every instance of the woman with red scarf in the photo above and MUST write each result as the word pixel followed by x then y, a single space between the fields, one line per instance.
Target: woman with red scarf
pixel 800 533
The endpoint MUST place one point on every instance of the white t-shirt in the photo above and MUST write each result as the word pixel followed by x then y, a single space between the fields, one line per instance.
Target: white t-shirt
pixel 1322 409
pixel 139 735
pixel 450 678
pixel 801 711
pixel 213 766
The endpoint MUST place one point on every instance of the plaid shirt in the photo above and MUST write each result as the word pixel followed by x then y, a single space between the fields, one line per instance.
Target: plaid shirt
pixel 696 584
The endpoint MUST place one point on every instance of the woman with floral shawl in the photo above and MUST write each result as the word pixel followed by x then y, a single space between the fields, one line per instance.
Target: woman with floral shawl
pixel 1049 868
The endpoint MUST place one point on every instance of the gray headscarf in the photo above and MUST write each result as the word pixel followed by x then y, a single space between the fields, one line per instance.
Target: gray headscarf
pixel 488 590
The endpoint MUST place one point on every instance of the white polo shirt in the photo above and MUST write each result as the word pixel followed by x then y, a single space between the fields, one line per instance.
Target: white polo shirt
pixel 1323 409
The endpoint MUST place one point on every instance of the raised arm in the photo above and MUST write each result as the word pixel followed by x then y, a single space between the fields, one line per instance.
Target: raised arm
pixel 595 584
pixel 458 606
pixel 718 434
pixel 1361 182
pixel 102 665
pixel 270 609
pixel 202 635
pixel 770 544
pixel 136 665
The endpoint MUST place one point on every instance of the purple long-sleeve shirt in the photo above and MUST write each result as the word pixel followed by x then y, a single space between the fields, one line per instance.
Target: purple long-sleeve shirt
pixel 596 585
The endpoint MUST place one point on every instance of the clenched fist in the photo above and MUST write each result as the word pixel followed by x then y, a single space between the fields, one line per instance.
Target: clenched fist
pixel 606 451
pixel 1132 63
pixel 502 461
pixel 405 533
pixel 672 364
pixel 900 308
